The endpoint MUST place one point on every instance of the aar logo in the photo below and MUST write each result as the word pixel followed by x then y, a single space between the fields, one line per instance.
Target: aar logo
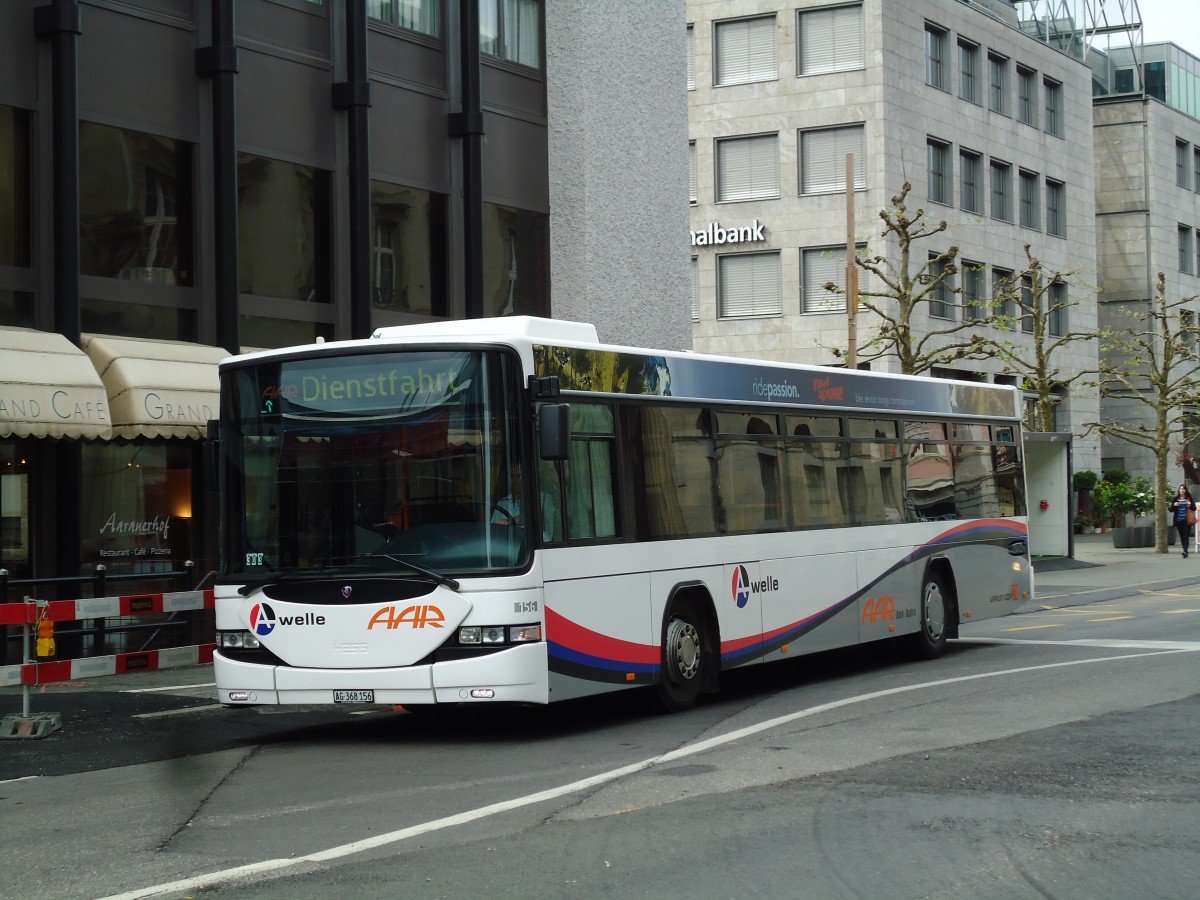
pixel 741 586
pixel 262 619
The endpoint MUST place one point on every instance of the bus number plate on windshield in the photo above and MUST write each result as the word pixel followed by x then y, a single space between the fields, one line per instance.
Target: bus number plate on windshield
pixel 353 696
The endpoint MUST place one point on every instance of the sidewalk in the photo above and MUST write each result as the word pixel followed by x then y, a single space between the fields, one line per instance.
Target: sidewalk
pixel 1099 571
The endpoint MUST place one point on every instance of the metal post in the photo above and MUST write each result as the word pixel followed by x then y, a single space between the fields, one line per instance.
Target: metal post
pixel 98 625
pixel 851 271
pixel 25 658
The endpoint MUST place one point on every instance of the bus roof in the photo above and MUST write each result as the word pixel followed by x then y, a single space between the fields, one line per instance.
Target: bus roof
pixel 573 352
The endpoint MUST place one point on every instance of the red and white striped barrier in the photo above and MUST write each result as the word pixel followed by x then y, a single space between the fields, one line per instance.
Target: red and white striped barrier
pixel 99 666
pixel 28 612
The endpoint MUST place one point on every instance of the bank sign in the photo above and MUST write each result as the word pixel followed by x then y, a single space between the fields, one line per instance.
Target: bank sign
pixel 716 234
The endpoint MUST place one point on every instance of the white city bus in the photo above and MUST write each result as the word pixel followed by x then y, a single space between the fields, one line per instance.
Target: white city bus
pixel 506 510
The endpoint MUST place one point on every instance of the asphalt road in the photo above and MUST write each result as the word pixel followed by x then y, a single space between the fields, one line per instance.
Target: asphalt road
pixel 1050 754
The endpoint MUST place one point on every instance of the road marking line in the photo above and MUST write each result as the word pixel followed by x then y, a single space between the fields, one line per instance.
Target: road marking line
pixel 224 876
pixel 1035 627
pixel 22 778
pixel 1112 619
pixel 177 712
pixel 1112 643
pixel 176 687
pixel 1176 612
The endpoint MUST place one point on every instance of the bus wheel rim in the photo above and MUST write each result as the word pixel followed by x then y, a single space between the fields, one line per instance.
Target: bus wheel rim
pixel 935 610
pixel 683 650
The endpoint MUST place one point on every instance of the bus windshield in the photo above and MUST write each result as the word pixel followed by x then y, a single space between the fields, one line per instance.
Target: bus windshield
pixel 372 463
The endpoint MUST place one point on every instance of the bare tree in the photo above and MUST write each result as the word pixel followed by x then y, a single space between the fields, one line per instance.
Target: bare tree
pixel 906 286
pixel 1151 362
pixel 1040 298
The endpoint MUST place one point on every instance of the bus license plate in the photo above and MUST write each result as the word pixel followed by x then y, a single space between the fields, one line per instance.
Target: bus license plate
pixel 353 696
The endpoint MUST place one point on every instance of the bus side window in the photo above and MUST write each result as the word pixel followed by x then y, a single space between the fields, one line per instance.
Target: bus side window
pixel 814 461
pixel 589 478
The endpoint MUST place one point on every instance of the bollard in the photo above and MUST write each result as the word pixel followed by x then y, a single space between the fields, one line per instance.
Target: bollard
pixel 28 726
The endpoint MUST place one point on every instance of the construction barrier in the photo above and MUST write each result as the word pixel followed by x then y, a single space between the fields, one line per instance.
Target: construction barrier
pixel 32 615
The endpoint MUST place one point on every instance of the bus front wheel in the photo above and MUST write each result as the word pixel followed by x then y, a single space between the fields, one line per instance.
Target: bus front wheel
pixel 930 641
pixel 683 661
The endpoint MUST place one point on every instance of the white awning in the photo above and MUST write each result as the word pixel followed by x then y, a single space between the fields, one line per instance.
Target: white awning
pixel 157 388
pixel 49 388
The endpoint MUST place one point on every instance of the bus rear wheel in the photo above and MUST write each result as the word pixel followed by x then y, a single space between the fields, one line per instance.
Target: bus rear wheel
pixel 930 641
pixel 683 660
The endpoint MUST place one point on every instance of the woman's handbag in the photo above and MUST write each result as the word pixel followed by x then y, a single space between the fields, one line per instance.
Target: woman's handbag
pixel 1191 516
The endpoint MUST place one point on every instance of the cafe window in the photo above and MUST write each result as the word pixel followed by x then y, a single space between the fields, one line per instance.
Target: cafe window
pixel 136 506
pixel 15 530
pixel 135 206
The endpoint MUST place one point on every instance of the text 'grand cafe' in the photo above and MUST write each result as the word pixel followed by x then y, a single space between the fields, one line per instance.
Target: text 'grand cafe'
pixel 100 455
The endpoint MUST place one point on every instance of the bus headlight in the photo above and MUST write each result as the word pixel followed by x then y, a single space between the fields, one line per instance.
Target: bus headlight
pixel 498 635
pixel 237 640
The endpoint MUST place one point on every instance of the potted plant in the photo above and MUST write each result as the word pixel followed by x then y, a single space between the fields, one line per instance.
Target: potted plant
pixel 1083 524
pixel 1122 498
pixel 1083 483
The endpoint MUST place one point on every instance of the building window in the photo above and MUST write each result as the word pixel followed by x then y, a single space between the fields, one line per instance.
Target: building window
pixel 935 56
pixel 691 58
pixel 1030 203
pixel 424 16
pixel 1056 319
pixel 1185 249
pixel 745 51
pixel 16 308
pixel 938 153
pixel 1027 96
pixel 1002 300
pixel 998 83
pixel 940 299
pixel 516 250
pixel 16 224
pixel 1001 207
pixel 748 168
pixel 409 256
pixel 821 266
pixel 1052 95
pixel 823 159
pixel 1198 252
pixel 831 40
pixel 1182 170
pixel 511 30
pixel 283 230
pixel 749 285
pixel 693 196
pixel 695 269
pixel 1056 202
pixel 1187 328
pixel 970 178
pixel 968 71
pixel 974 291
pixel 135 206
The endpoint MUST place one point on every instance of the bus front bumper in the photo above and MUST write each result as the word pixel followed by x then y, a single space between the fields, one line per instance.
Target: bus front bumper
pixel 514 675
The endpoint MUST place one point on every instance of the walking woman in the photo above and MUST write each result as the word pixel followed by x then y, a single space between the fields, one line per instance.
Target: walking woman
pixel 1183 514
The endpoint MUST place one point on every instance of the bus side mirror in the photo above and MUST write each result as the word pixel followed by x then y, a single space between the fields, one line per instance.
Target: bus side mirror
pixel 554 430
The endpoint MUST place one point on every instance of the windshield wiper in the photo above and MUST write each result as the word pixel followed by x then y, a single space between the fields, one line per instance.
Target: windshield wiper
pixel 420 570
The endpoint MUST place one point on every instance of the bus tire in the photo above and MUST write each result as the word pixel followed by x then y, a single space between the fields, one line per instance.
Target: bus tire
pixel 683 659
pixel 936 604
